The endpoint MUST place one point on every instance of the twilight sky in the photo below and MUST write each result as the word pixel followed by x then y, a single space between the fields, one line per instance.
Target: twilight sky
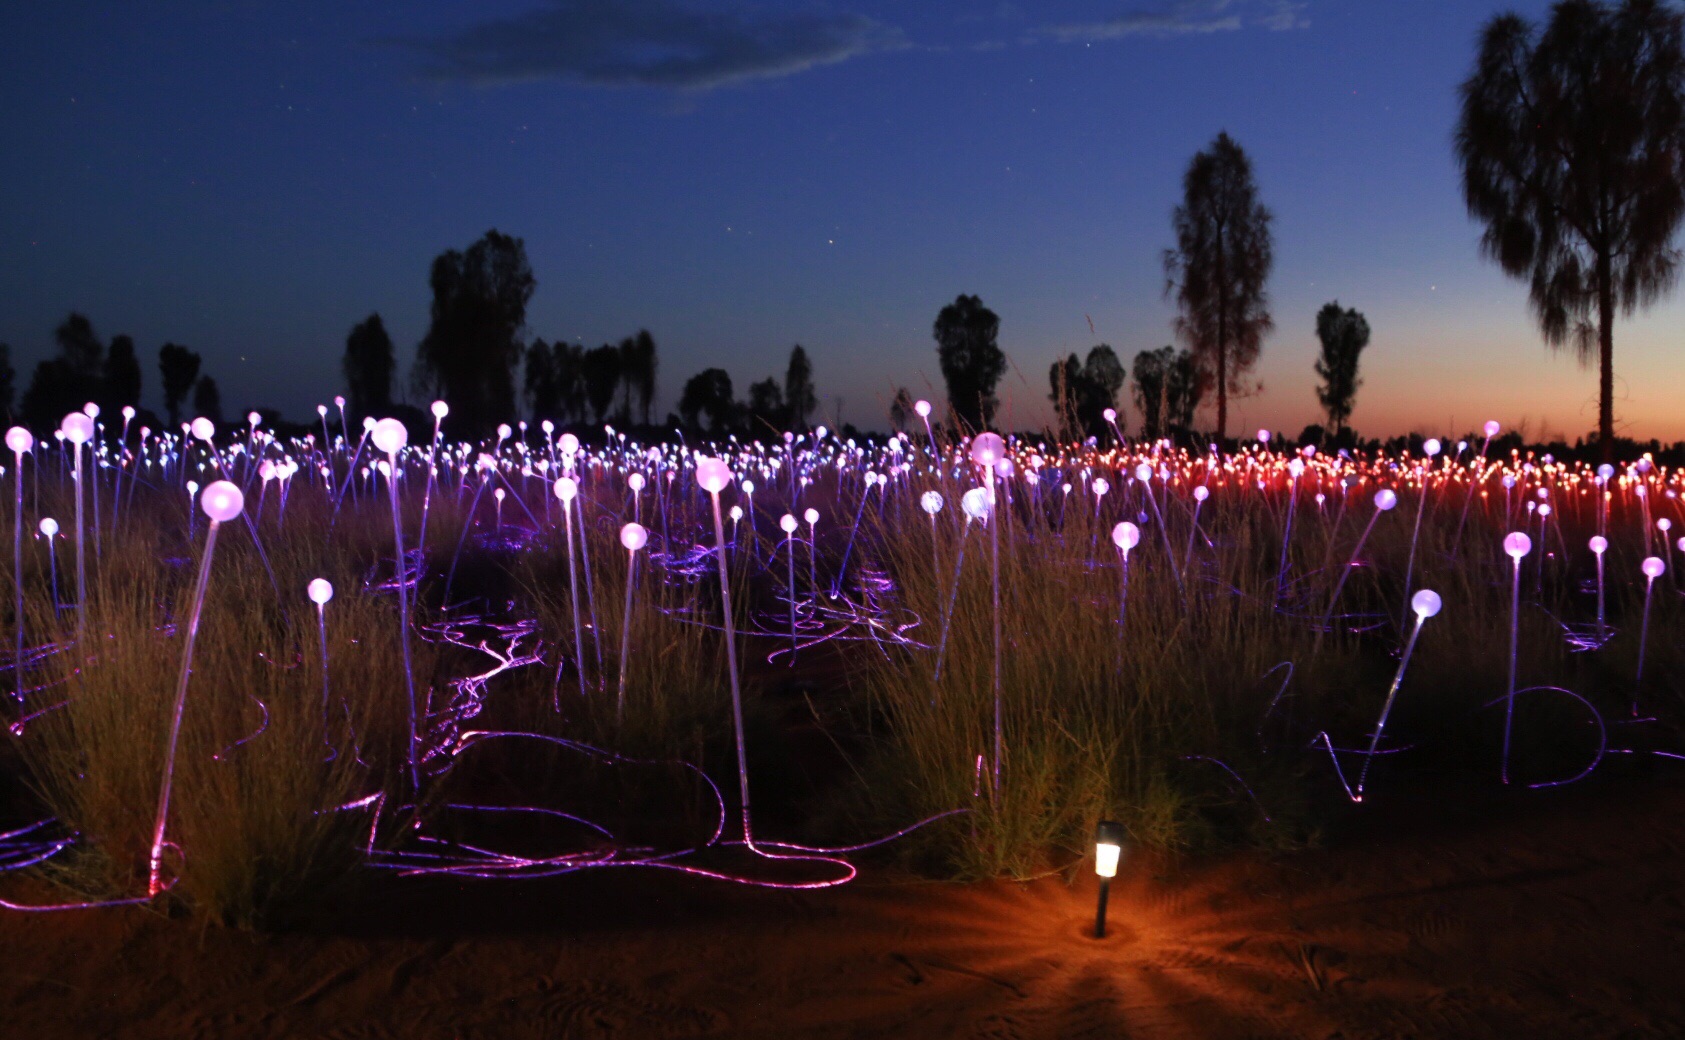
pixel 253 177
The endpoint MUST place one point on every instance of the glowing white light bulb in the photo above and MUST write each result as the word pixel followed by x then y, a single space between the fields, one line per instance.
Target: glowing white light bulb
pixel 567 489
pixel 222 501
pixel 1425 603
pixel 319 590
pixel 1126 536
pixel 390 436
pixel 931 502
pixel 713 474
pixel 634 537
pixel 922 407
pixel 1517 545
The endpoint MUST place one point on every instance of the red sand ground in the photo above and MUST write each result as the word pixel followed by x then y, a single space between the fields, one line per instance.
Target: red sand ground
pixel 1560 916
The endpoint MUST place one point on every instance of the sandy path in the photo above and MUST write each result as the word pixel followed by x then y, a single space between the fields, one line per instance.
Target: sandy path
pixel 1563 918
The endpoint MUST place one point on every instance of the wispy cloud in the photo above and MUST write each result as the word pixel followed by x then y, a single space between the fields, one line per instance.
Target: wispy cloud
pixel 1185 18
pixel 655 43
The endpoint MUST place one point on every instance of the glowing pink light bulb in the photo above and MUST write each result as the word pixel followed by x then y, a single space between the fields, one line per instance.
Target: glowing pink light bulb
pixel 1517 545
pixel 712 474
pixel 222 501
pixel 390 436
pixel 988 449
pixel 320 590
pixel 1425 603
pixel 922 407
pixel 1126 536
pixel 634 536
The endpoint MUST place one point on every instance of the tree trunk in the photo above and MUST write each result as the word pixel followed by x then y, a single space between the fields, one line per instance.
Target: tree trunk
pixel 1605 359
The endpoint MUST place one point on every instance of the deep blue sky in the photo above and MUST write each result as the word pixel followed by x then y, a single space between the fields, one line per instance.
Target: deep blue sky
pixel 252 178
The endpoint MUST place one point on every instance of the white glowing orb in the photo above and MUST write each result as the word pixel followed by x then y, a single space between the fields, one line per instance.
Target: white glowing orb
pixel 736 513
pixel 712 474
pixel 975 503
pixel 635 482
pixel 368 423
pixel 748 487
pixel 567 489
pixel 787 524
pixel 222 501
pixel 49 526
pixel 922 407
pixel 498 494
pixel 128 412
pixel 988 449
pixel 1126 536
pixel 91 409
pixel 569 445
pixel 811 516
pixel 1385 500
pixel 1491 428
pixel 1517 545
pixel 19 439
pixel 1431 447
pixel 1201 493
pixel 440 410
pixel 1100 487
pixel 1653 567
pixel 78 427
pixel 322 410
pixel 320 590
pixel 1425 603
pixel 634 537
pixel 202 428
pixel 1110 415
pixel 503 431
pixel 1143 473
pixel 931 502
pixel 1599 544
pixel 390 436
pixel 339 402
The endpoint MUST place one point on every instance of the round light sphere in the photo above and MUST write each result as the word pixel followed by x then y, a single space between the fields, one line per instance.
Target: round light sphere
pixel 1100 487
pixel 1201 493
pixel 634 537
pixel 1491 428
pixel 19 439
pixel 78 427
pixel 811 516
pixel 635 482
pixel 320 590
pixel 1263 436
pixel 736 513
pixel 1385 499
pixel 49 526
pixel 1126 536
pixel 440 410
pixel 1599 544
pixel 713 474
pixel 1430 447
pixel 1143 473
pixel 91 409
pixel 203 428
pixel 922 407
pixel 390 436
pixel 1425 603
pixel 570 445
pixel 339 402
pixel 787 524
pixel 1517 545
pixel 988 449
pixel 567 489
pixel 931 502
pixel 1110 415
pixel 503 431
pixel 222 501
pixel 975 503
pixel 1653 567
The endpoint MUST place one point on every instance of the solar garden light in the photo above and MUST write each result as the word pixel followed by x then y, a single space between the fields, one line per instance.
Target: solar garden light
pixel 1109 837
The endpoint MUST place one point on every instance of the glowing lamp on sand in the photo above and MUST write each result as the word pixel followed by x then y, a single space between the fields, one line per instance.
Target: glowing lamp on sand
pixel 1109 837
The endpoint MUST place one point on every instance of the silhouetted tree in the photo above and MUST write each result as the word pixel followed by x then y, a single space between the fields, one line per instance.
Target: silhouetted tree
pixel 799 396
pixel 1572 148
pixel 709 392
pixel 178 367
pixel 972 362
pixel 1219 265
pixel 766 406
pixel 473 340
pixel 122 376
pixel 1082 391
pixel 1151 369
pixel 1064 381
pixel 1344 334
pixel 8 380
pixel 1184 386
pixel 637 371
pixel 541 382
pixel 601 372
pixel 64 383
pixel 368 364
pixel 901 409
pixel 207 400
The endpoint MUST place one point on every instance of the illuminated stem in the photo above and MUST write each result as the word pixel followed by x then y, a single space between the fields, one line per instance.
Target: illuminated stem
pixel 153 885
pixel 1386 709
pixel 322 633
pixel 953 595
pixel 1328 614
pixel 731 663
pixel 1188 553
pixel 590 590
pixel 1410 562
pixel 1601 628
pixel 81 571
pixel 1163 534
pixel 625 637
pixel 1514 637
pixel 790 556
pixel 573 591
pixel 1286 538
pixel 994 586
pixel 1643 640
pixel 404 618
pixel 17 573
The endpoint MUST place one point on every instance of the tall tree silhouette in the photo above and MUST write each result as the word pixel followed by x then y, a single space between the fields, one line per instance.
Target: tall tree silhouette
pixel 178 367
pixel 1572 147
pixel 971 360
pixel 766 407
pixel 473 340
pixel 637 372
pixel 1151 369
pixel 799 396
pixel 1184 386
pixel 70 379
pixel 1219 266
pixel 541 382
pixel 1343 334
pixel 902 409
pixel 1082 391
pixel 368 365
pixel 709 392
pixel 1064 382
pixel 601 372
pixel 122 376
pixel 207 400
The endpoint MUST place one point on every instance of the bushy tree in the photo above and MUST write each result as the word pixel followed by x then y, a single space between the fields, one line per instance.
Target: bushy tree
pixel 1343 335
pixel 1219 266
pixel 971 359
pixel 122 376
pixel 368 365
pixel 1151 369
pixel 207 400
pixel 473 340
pixel 799 396
pixel 178 367
pixel 709 393
pixel 601 373
pixel 1572 148
pixel 766 406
